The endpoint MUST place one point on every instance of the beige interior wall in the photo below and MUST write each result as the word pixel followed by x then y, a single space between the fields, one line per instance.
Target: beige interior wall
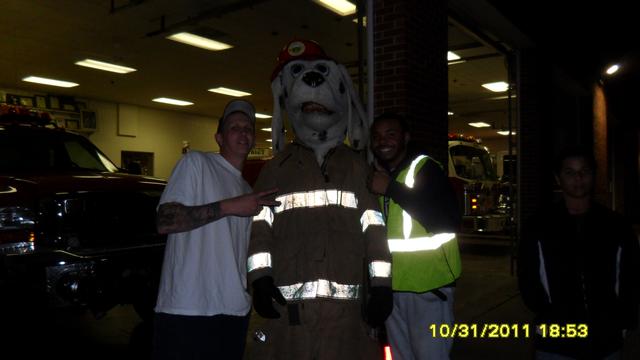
pixel 159 132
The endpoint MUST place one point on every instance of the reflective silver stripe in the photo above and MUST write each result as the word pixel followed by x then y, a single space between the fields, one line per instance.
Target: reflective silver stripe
pixel 420 243
pixel 320 289
pixel 258 261
pixel 407 224
pixel 371 217
pixel 316 198
pixel 380 269
pixel 542 271
pixel 410 179
pixel 265 215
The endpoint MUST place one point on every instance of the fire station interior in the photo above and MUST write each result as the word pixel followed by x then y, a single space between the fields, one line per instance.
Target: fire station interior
pixel 47 40
pixel 121 114
pixel 118 111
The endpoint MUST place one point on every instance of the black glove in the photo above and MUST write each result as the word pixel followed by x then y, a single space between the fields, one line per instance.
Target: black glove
pixel 379 306
pixel 263 292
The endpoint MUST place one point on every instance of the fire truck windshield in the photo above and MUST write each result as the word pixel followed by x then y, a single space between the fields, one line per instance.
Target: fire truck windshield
pixel 472 163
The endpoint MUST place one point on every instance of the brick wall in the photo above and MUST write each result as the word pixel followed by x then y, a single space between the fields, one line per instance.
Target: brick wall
pixel 534 153
pixel 410 46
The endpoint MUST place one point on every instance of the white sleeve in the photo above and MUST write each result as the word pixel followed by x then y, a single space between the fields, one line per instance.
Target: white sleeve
pixel 182 185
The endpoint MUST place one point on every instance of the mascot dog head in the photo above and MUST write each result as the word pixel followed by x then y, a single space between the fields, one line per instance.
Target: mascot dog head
pixel 318 96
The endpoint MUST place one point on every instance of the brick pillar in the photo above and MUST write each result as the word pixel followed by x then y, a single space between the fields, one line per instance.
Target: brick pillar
pixel 601 146
pixel 535 155
pixel 410 47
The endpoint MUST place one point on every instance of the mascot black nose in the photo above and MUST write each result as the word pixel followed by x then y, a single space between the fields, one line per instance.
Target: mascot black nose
pixel 313 78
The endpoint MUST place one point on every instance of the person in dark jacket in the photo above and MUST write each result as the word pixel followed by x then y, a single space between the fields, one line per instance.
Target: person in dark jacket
pixel 578 269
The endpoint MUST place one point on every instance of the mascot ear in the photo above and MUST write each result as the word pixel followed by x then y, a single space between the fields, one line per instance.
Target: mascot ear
pixel 358 122
pixel 277 123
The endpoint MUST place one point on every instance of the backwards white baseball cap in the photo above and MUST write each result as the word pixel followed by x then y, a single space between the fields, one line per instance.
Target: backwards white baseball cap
pixel 233 106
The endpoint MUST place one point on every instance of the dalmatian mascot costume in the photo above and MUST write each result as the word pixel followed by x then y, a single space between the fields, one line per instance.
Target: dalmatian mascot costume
pixel 313 257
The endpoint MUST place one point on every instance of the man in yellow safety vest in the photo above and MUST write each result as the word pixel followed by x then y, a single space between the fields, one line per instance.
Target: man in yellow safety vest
pixel 422 217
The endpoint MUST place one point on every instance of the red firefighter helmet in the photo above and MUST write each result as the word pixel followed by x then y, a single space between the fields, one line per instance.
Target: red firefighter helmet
pixel 298 49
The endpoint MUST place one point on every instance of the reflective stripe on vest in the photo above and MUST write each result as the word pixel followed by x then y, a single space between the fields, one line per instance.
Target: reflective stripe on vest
pixel 380 269
pixel 316 198
pixel 258 261
pixel 320 289
pixel 409 244
pixel 371 217
pixel 319 198
pixel 265 215
pixel 420 243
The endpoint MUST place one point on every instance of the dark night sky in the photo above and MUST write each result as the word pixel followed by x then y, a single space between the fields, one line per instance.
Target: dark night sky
pixel 586 37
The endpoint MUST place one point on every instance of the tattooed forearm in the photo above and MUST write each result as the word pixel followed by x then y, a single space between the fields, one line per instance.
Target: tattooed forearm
pixel 175 217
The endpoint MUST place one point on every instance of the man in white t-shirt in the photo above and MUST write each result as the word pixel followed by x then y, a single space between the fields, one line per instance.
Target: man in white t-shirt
pixel 203 305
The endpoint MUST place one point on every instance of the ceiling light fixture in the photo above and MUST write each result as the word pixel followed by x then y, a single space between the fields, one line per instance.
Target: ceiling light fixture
pixel 269 140
pixel 262 116
pixel 230 92
pixel 199 41
pixel 503 97
pixel 499 86
pixel 101 65
pixel 479 124
pixel 506 132
pixel 453 58
pixel 171 101
pixel 613 69
pixel 340 7
pixel 450 113
pixel 364 21
pixel 52 82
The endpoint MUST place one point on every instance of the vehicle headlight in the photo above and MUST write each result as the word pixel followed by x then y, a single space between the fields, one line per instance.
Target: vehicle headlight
pixel 17 228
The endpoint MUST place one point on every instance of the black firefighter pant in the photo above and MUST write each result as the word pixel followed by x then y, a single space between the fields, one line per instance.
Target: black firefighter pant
pixel 315 330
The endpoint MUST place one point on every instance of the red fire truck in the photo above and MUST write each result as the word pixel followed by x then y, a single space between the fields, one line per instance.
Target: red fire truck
pixel 483 199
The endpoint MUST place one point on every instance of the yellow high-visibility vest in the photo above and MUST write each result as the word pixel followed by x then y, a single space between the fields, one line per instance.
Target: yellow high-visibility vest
pixel 422 260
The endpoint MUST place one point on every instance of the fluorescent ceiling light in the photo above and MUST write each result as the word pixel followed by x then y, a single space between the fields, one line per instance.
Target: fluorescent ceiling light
pixel 450 113
pixel 269 140
pixel 340 7
pixel 613 69
pixel 199 41
pixel 452 56
pixel 52 82
pixel 172 101
pixel 262 116
pixel 266 129
pixel 504 97
pixel 479 124
pixel 498 86
pixel 364 21
pixel 100 65
pixel 230 92
pixel 506 132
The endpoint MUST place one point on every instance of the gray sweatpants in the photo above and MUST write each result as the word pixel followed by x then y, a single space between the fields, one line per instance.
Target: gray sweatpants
pixel 408 329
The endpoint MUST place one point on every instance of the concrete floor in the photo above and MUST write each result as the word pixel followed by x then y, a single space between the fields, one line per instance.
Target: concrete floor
pixel 486 294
